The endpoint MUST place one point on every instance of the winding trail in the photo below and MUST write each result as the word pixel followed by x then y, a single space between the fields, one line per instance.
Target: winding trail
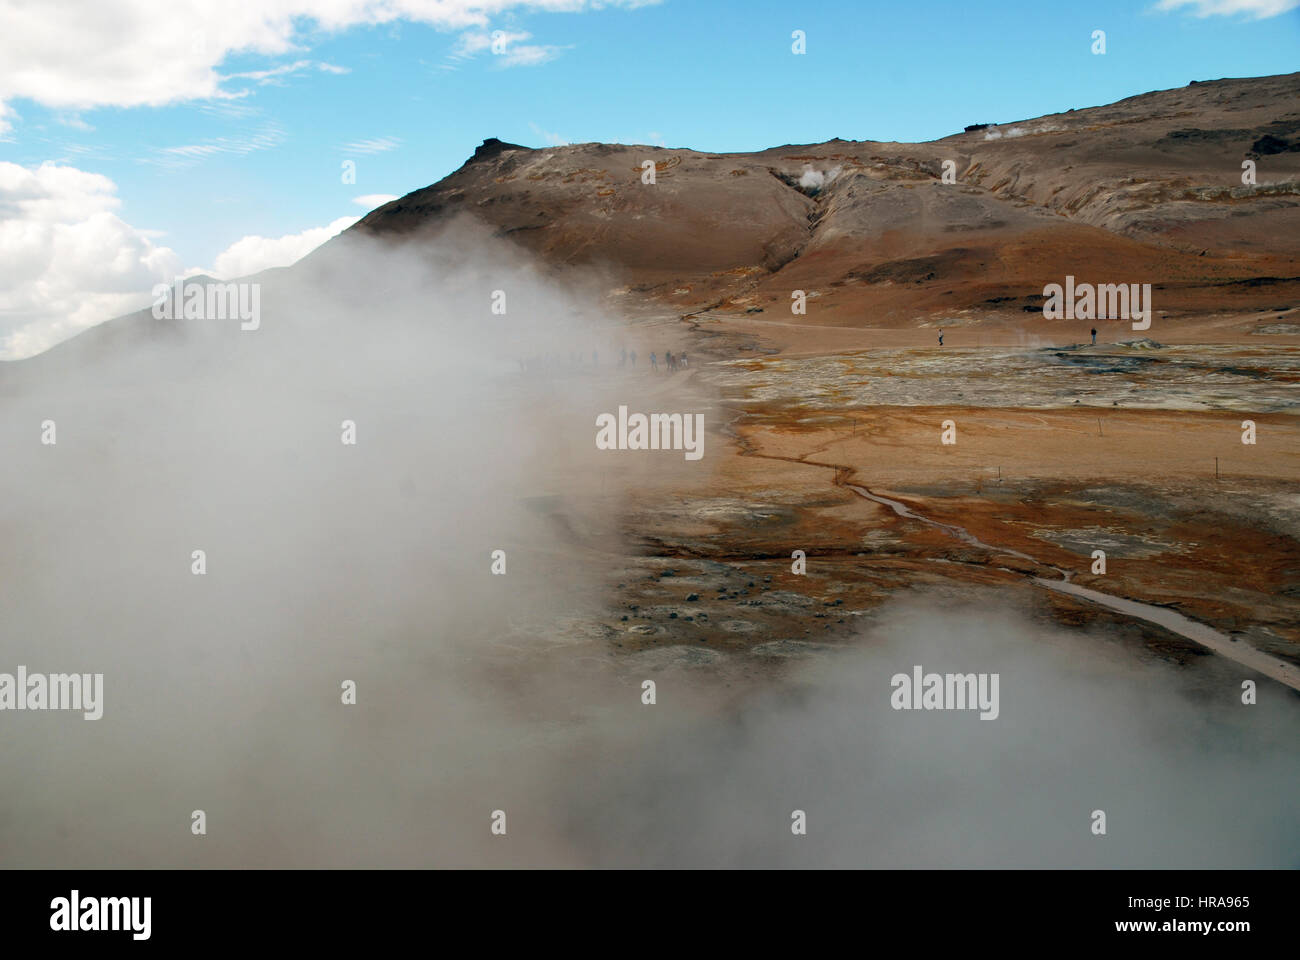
pixel 960 533
pixel 1238 651
pixel 1171 620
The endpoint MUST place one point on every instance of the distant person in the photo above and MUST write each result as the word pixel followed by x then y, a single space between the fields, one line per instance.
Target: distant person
pixel 682 360
pixel 1094 336
pixel 654 364
pixel 633 355
pixel 672 364
pixel 941 338
pixel 622 359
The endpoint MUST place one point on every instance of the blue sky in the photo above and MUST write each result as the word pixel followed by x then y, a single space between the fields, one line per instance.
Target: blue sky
pixel 246 137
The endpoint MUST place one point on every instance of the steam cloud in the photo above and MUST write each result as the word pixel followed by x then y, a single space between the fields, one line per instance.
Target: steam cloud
pixel 475 693
pixel 1013 132
pixel 814 180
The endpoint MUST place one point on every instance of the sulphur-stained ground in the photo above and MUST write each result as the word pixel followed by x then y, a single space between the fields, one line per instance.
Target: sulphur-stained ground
pixel 768 550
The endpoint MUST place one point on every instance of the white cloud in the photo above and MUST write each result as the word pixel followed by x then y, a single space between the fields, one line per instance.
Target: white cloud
pixel 506 48
pixel 372 200
pixel 272 75
pixel 65 55
pixel 378 145
pixel 474 42
pixel 267 136
pixel 529 56
pixel 1257 9
pixel 67 261
pixel 229 110
pixel 553 139
pixel 253 254
pixel 275 75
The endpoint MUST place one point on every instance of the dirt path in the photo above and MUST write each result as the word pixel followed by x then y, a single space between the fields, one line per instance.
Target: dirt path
pixel 1236 650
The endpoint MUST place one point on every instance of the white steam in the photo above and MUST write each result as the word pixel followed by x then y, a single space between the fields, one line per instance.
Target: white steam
pixel 476 692
pixel 816 180
pixel 1013 132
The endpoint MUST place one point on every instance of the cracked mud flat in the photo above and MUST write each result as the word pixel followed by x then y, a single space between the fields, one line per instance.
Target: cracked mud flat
pixel 1218 377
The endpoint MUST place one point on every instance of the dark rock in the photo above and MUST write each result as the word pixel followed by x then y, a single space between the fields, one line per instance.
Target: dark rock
pixel 492 147
pixel 1269 144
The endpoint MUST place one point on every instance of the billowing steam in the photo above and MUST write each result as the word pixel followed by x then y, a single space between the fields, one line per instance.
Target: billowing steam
pixel 814 180
pixel 371 563
pixel 1013 132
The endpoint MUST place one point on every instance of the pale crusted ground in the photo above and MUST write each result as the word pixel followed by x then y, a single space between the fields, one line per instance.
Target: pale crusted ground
pixel 1030 474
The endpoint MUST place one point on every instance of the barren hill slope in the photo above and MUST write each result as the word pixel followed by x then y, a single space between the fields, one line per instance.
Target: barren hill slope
pixel 1148 189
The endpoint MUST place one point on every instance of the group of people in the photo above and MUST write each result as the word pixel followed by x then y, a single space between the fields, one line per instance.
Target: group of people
pixel 673 363
pixel 575 360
